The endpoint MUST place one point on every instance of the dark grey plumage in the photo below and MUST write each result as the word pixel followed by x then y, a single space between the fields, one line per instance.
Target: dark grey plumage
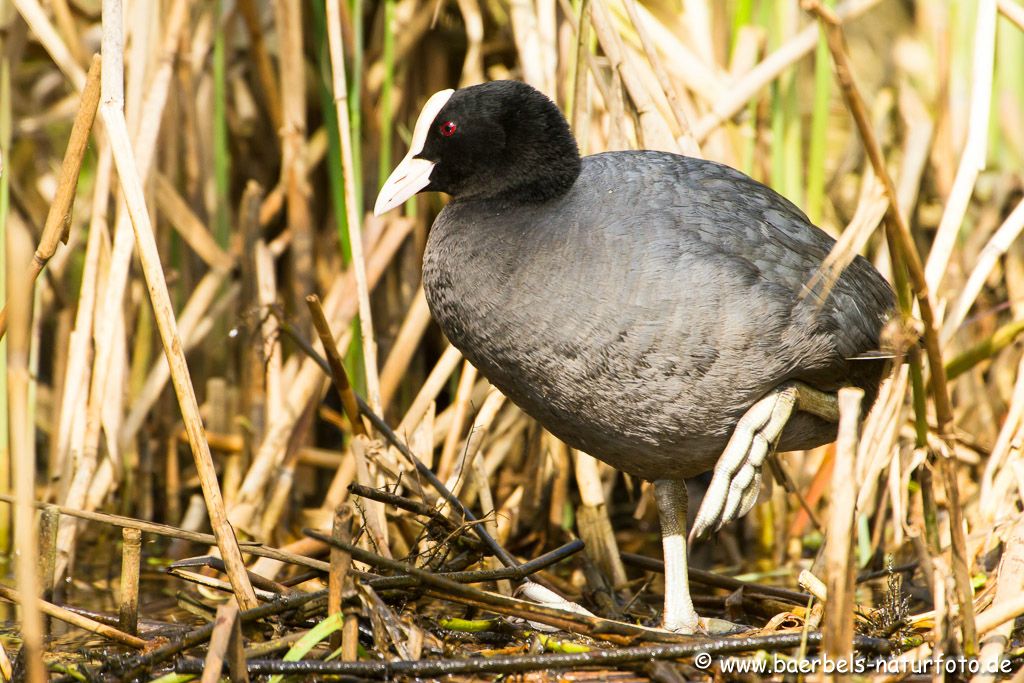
pixel 638 315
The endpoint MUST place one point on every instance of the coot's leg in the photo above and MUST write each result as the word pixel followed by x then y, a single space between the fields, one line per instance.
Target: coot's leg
pixel 679 614
pixel 737 478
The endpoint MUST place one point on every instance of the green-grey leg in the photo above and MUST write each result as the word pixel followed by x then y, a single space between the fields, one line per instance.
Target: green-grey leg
pixel 679 615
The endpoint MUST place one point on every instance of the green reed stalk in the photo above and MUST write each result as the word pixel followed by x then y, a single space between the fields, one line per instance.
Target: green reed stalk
pixel 355 89
pixel 221 151
pixel 819 128
pixel 5 147
pixel 386 91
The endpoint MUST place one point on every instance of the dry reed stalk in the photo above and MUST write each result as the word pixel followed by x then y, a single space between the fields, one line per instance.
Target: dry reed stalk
pixel 68 30
pixel 189 79
pixel 211 586
pixel 973 157
pixel 735 98
pixel 6 668
pixel 986 262
pixel 432 386
pixel 337 366
pixel 461 477
pixel 963 590
pixel 813 585
pixel 421 441
pixel 220 400
pixel 21 446
pixel 192 230
pixel 580 114
pixel 473 63
pixel 878 443
pixel 372 512
pixel 598 79
pixel 49 522
pixel 1001 613
pixel 109 316
pixel 191 331
pixel 172 480
pixel 508 516
pixel 407 341
pixel 216 653
pixel 837 627
pixel 1009 434
pixel 264 66
pixel 35 16
pixel 547 31
pixel 141 28
pixel 920 136
pixel 308 382
pixel 595 527
pixel 1012 11
pixel 461 405
pixel 697 17
pixel 350 634
pixel 681 130
pixel 296 553
pixel 193 519
pixel 321 457
pixel 705 78
pixel 898 229
pixel 443 421
pixel 655 130
pixel 58 219
pixel 131 554
pixel 131 185
pixel 481 480
pixel 528 42
pixel 556 474
pixel 315 150
pixel 238 670
pixel 868 215
pixel 174 532
pixel 1009 578
pixel 339 584
pixel 277 500
pixel 341 104
pixel 255 355
pixel 73 618
pixel 266 290
pixel 288 16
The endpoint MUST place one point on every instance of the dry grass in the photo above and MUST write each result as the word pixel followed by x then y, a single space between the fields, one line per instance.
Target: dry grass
pixel 225 180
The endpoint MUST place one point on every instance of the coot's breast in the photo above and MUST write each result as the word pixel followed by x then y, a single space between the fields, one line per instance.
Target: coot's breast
pixel 638 316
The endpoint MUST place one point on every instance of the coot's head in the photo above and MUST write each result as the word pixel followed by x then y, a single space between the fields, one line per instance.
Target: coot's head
pixel 501 139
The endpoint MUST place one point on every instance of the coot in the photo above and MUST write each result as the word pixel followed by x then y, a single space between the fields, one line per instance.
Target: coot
pixel 648 308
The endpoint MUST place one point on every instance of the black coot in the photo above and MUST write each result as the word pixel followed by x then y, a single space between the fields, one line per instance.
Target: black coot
pixel 637 304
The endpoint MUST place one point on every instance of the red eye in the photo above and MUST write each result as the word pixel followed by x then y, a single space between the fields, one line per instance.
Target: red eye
pixel 447 128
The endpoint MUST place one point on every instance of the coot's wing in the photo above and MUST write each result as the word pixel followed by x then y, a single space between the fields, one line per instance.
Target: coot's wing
pixel 760 235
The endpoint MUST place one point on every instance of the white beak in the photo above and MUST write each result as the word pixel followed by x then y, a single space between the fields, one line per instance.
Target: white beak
pixel 412 175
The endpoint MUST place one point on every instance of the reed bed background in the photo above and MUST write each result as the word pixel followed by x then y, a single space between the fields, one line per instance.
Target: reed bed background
pixel 165 230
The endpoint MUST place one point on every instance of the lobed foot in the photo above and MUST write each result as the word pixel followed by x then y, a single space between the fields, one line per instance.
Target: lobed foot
pixel 736 481
pixel 721 627
pixel 542 595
